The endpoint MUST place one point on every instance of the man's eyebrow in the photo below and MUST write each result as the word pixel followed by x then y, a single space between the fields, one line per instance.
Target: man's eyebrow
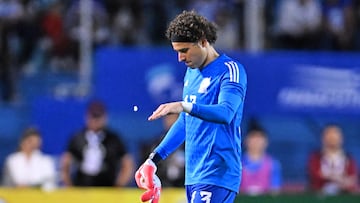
pixel 183 50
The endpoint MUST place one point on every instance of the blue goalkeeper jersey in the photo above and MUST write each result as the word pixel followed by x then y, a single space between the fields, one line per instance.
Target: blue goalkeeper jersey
pixel 211 130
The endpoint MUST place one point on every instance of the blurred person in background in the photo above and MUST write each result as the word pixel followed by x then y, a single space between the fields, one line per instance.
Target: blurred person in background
pixel 156 17
pixel 96 156
pixel 298 24
pixel 338 24
pixel 30 32
pixel 206 8
pixel 331 170
pixel 11 14
pixel 127 24
pixel 357 34
pixel 228 29
pixel 100 27
pixel 261 172
pixel 54 47
pixel 29 167
pixel 171 171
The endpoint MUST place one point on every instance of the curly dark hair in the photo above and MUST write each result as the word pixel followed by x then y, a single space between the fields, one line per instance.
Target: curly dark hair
pixel 191 27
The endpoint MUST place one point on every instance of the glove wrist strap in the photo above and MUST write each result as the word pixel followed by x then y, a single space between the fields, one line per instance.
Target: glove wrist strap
pixel 155 157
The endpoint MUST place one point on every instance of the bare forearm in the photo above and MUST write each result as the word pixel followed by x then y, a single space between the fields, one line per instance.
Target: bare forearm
pixel 126 171
pixel 65 169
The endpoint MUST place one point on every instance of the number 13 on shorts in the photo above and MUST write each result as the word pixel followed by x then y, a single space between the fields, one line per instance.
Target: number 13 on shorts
pixel 205 197
pixel 202 193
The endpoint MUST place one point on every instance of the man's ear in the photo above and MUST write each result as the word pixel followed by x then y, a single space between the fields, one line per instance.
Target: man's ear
pixel 203 42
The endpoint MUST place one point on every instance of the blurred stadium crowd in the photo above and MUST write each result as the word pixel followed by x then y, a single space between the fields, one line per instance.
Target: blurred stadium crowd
pixel 34 32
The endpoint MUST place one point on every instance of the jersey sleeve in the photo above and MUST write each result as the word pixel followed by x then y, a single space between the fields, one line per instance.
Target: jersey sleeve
pixel 231 96
pixel 173 138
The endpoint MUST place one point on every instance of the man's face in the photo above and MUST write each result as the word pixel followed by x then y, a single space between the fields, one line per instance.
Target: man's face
pixel 256 143
pixel 96 123
pixel 193 54
pixel 332 138
pixel 30 143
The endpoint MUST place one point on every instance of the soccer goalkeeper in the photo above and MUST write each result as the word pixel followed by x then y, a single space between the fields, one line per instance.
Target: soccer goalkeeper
pixel 209 117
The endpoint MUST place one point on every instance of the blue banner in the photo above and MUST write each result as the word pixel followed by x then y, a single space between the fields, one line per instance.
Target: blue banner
pixel 303 82
pixel 278 82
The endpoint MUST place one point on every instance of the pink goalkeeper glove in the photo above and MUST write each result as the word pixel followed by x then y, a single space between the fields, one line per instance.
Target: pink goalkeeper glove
pixel 147 179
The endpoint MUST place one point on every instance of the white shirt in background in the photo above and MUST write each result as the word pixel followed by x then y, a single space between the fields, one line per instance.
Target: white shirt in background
pixel 36 170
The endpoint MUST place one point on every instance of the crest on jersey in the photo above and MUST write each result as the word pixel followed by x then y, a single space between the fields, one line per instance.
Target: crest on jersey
pixel 204 85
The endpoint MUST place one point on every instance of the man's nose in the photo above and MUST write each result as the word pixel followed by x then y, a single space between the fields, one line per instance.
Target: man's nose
pixel 181 57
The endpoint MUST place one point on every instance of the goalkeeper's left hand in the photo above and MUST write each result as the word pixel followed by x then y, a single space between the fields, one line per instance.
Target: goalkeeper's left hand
pixel 147 179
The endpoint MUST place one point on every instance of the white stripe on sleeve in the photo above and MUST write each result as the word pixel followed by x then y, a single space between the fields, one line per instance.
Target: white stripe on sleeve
pixel 233 71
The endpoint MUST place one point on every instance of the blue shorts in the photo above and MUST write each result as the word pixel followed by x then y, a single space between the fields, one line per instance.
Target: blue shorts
pixel 202 193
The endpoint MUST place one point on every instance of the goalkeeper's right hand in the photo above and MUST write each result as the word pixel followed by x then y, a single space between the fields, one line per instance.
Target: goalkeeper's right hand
pixel 147 179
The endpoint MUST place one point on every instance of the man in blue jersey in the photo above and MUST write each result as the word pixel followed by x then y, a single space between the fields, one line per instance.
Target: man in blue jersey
pixel 209 117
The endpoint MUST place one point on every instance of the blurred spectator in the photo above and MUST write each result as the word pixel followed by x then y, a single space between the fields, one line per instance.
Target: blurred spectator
pixel 270 17
pixel 11 13
pixel 29 167
pixel 96 154
pixel 357 34
pixel 127 24
pixel 228 29
pixel 172 170
pixel 55 43
pixel 206 8
pixel 331 170
pixel 155 20
pixel 224 15
pixel 338 24
pixel 30 31
pixel 100 26
pixel 261 172
pixel 238 15
pixel 298 24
